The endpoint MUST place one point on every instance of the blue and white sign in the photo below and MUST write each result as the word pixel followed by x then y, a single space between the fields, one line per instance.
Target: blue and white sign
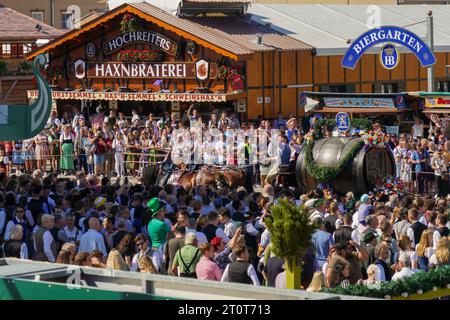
pixel 388 34
pixel 342 121
pixel 389 57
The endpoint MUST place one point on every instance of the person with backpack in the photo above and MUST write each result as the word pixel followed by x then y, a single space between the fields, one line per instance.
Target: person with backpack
pixel 37 204
pixel 186 258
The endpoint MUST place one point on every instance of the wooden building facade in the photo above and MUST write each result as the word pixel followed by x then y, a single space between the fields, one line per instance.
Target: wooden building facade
pixel 250 69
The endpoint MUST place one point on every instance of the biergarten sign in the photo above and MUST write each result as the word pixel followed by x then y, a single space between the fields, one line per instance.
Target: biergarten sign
pixel 391 34
pixel 133 96
pixel 156 70
pixel 146 37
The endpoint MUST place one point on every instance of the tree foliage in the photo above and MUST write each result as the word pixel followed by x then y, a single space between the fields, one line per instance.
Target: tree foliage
pixel 290 230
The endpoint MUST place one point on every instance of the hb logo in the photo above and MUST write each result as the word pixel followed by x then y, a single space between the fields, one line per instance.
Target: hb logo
pixel 389 56
pixel 389 61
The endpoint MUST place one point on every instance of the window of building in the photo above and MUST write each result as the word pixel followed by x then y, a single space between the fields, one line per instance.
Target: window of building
pixel 38 15
pixel 26 48
pixel 392 87
pixel 443 86
pixel 349 88
pixel 6 50
pixel 67 20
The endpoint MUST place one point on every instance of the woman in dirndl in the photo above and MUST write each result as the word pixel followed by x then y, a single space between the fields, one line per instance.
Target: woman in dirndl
pixel 66 141
pixel 42 150
pixel 18 159
pixel 28 154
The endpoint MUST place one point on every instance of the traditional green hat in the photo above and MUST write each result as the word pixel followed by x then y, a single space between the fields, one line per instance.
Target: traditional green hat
pixel 155 205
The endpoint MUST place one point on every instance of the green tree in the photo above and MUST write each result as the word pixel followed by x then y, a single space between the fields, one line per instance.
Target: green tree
pixel 290 234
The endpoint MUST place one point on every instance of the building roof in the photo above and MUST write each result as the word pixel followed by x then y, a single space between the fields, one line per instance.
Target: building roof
pixel 241 43
pixel 17 26
pixel 88 18
pixel 328 27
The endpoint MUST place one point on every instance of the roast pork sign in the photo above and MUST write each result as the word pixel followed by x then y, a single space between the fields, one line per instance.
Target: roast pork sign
pixel 201 70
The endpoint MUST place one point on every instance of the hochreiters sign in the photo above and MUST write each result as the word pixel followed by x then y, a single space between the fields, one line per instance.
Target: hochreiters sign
pixel 388 34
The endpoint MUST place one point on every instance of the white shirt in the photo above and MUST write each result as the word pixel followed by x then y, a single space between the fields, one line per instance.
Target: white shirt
pixel 436 238
pixel 280 280
pixel 92 240
pixel 251 230
pixel 67 235
pixel 265 238
pixel 153 255
pixel 48 239
pixel 251 272
pixel 9 228
pixel 405 272
pixel 229 228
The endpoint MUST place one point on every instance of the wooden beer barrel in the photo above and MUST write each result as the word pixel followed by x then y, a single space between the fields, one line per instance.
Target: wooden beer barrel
pixel 359 175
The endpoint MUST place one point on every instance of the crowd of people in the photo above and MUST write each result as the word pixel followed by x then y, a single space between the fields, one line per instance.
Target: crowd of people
pixel 219 234
pixel 208 233
pixel 109 144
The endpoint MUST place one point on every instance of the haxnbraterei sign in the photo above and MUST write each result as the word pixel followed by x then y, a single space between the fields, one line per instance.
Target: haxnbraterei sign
pixel 389 56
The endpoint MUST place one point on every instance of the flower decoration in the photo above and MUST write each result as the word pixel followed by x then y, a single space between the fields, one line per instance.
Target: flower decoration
pixel 140 56
pixel 129 23
pixel 225 72
pixel 374 138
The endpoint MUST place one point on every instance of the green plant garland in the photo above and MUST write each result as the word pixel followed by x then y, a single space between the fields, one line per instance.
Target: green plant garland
pixel 325 174
pixel 424 281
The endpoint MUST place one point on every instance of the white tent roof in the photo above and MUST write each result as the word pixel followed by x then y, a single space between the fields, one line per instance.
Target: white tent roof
pixel 328 27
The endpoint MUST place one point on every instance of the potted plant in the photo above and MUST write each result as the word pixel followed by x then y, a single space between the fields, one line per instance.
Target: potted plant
pixel 290 233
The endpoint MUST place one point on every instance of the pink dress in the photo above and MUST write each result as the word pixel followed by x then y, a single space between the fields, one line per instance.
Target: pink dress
pixel 41 150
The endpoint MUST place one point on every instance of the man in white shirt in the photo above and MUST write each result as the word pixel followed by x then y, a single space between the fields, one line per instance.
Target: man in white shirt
pixel 240 271
pixel 43 241
pixel 229 225
pixel 144 250
pixel 70 233
pixel 19 218
pixel 92 239
pixel 441 222
pixel 416 228
pixel 405 265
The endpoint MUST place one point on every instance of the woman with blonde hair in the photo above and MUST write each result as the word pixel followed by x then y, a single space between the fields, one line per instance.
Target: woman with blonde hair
pixel 442 255
pixel 317 282
pixel 424 249
pixel 115 261
pixel 146 265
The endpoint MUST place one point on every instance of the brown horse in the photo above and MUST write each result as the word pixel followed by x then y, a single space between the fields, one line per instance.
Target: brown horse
pixel 210 176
